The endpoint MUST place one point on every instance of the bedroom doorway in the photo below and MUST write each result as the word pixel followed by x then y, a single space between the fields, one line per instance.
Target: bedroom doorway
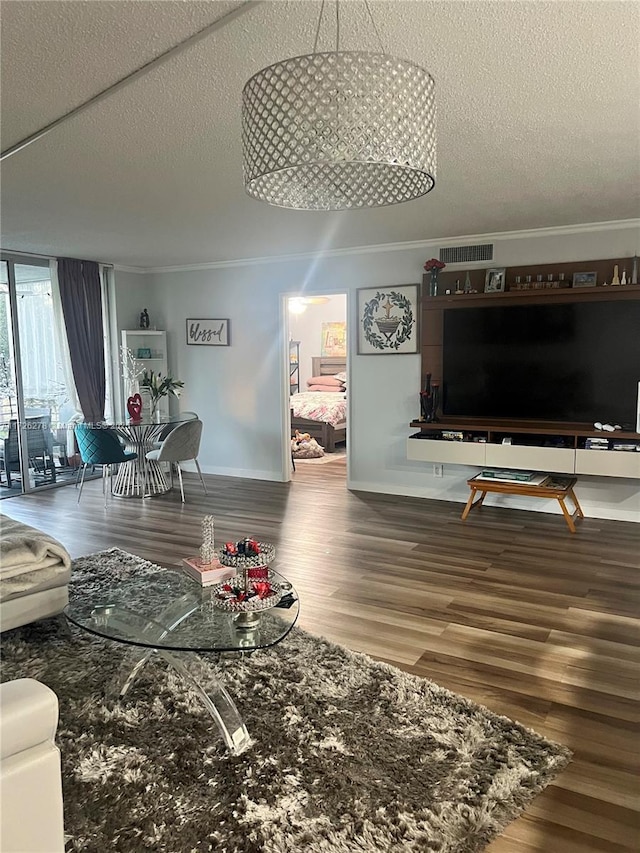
pixel 316 379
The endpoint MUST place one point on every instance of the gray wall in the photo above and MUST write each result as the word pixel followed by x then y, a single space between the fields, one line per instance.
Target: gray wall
pixel 131 293
pixel 240 391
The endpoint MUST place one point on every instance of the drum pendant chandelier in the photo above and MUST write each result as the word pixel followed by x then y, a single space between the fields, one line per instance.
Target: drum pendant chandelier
pixel 339 130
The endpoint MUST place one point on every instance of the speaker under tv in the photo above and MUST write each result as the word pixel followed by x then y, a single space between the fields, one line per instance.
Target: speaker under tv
pixel 573 362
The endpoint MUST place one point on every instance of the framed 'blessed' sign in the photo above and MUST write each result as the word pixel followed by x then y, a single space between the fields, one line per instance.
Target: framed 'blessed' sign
pixel 208 333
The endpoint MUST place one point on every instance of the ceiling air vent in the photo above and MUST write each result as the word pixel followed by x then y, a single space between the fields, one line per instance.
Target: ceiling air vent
pixel 466 254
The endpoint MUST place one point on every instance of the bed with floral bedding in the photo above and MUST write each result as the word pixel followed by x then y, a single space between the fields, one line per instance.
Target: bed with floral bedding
pixel 322 410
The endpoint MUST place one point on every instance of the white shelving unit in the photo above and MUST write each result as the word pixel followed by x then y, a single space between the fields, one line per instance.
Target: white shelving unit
pixel 294 366
pixel 155 342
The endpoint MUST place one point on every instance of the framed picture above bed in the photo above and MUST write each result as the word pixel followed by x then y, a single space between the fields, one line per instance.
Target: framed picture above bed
pixel 388 320
pixel 334 339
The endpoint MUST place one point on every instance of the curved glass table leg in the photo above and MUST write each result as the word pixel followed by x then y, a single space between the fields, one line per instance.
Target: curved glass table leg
pixel 218 703
pixel 131 666
pixel 148 631
pixel 214 695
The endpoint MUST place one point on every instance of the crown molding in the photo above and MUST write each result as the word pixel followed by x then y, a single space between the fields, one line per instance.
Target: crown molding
pixel 465 239
pixel 554 231
pixel 9 254
pixel 139 270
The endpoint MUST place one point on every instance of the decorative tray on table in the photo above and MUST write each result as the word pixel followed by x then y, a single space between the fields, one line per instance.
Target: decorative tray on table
pixel 253 588
pixel 253 554
pixel 229 597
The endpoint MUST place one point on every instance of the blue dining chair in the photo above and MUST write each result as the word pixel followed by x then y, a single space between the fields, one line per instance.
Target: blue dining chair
pixel 100 446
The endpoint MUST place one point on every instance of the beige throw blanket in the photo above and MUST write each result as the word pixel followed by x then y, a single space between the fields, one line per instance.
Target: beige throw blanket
pixel 24 549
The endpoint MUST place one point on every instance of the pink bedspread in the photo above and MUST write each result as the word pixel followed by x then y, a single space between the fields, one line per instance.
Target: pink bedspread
pixel 329 407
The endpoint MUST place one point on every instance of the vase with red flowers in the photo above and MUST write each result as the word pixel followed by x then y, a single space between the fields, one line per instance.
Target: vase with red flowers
pixel 433 267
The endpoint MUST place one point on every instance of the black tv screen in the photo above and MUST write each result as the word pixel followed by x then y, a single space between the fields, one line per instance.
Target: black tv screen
pixel 576 361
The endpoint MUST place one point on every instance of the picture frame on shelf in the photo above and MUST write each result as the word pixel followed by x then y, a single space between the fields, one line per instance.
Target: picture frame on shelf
pixel 494 281
pixel 388 320
pixel 143 352
pixel 208 332
pixel 584 279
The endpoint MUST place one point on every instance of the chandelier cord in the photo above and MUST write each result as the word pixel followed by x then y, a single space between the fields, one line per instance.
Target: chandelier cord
pixel 315 44
pixel 366 3
pixel 371 18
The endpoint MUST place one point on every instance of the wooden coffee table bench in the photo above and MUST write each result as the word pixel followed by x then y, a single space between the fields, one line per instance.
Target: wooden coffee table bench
pixel 559 488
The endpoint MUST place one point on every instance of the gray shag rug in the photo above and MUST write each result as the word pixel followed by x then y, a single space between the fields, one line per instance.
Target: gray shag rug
pixel 349 755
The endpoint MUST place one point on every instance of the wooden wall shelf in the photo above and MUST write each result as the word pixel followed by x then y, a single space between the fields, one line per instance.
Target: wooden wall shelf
pixel 564 294
pixel 542 428
pixel 603 268
pixel 528 449
pixel 432 308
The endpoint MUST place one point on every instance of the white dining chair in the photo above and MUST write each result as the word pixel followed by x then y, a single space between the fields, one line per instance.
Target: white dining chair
pixel 181 445
pixel 164 432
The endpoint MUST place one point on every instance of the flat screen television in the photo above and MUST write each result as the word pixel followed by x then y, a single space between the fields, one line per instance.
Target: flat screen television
pixel 570 361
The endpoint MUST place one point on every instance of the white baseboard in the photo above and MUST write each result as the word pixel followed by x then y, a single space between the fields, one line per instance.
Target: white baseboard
pixel 613 513
pixel 248 474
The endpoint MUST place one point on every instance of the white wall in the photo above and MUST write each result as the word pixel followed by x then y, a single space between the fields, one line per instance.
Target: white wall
pixel 133 291
pixel 236 390
pixel 239 390
pixel 307 328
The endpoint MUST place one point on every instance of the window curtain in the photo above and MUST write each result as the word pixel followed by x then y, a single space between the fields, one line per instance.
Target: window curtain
pixel 70 412
pixel 107 285
pixel 81 298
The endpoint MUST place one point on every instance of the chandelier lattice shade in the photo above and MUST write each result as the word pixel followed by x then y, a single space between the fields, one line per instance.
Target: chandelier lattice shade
pixel 339 130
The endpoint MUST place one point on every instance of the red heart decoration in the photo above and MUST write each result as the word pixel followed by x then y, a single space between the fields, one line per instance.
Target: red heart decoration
pixel 134 407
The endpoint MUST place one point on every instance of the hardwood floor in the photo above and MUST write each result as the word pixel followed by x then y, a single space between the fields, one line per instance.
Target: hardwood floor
pixel 507 608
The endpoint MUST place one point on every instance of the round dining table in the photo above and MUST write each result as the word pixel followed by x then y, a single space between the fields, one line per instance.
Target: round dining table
pixel 142 477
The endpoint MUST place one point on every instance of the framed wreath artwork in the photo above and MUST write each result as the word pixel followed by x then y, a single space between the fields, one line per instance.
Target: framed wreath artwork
pixel 388 320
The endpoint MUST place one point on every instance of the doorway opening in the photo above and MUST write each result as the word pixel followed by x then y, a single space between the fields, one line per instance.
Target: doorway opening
pixel 317 382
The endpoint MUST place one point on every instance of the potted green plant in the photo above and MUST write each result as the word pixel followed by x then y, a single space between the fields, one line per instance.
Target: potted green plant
pixel 159 386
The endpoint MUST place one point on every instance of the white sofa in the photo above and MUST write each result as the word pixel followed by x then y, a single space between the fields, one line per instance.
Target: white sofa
pixel 34 572
pixel 31 820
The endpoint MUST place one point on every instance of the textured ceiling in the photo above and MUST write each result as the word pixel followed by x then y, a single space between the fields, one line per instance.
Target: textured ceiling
pixel 538 124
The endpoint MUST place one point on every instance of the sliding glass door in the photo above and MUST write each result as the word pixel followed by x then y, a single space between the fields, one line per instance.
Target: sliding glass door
pixel 38 401
pixel 8 387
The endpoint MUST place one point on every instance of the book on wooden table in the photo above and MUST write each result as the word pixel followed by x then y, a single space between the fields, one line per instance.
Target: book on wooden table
pixel 536 479
pixel 508 474
pixel 207 573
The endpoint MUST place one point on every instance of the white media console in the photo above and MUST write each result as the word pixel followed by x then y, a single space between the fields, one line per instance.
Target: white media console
pixel 531 454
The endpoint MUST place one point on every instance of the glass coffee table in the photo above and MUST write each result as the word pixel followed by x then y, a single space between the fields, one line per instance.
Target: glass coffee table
pixel 163 612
